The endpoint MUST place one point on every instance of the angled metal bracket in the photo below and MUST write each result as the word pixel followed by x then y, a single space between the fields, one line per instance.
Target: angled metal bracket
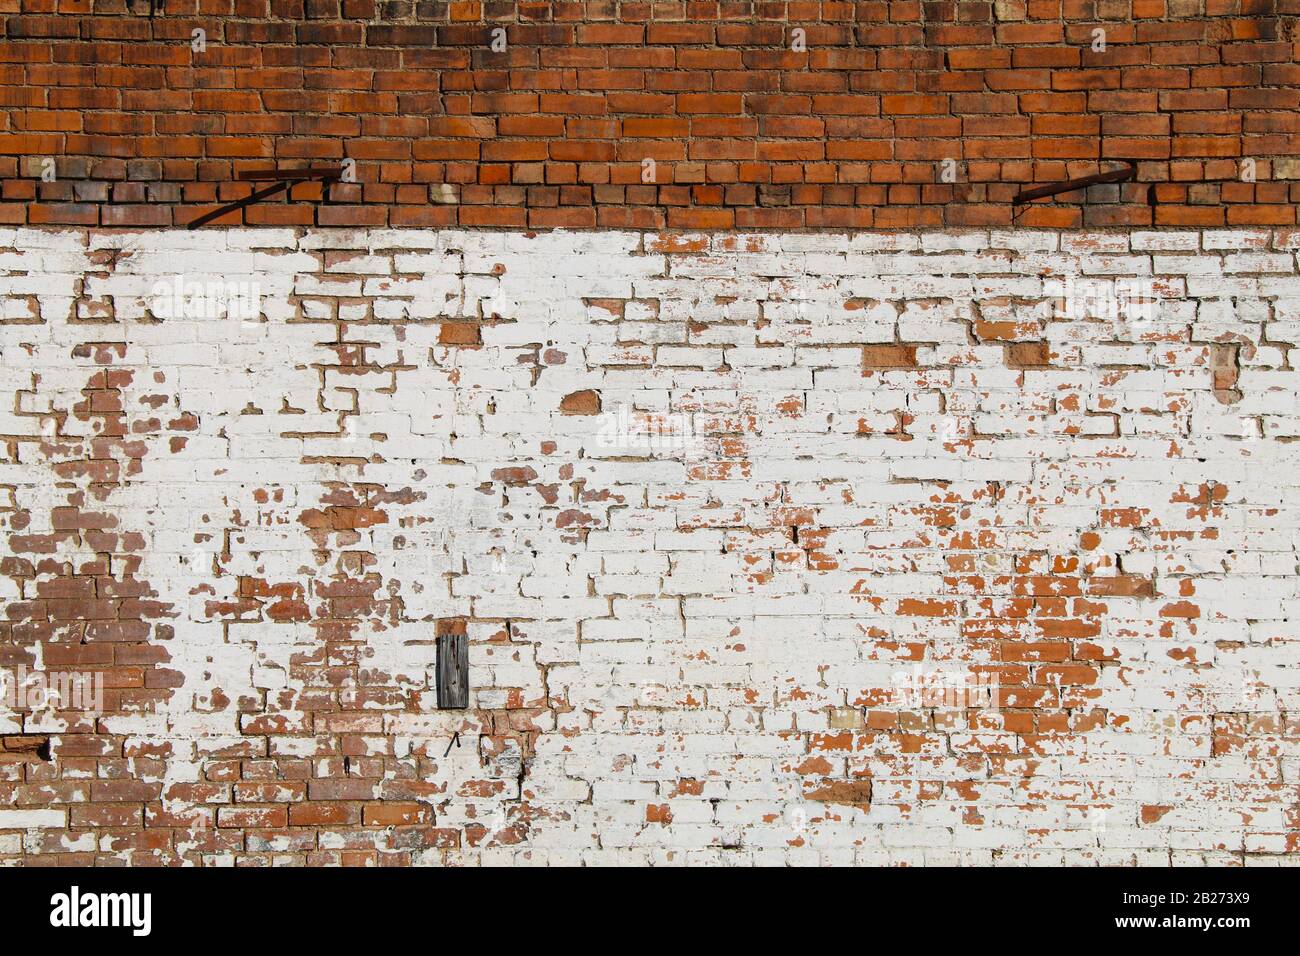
pixel 1129 172
pixel 282 180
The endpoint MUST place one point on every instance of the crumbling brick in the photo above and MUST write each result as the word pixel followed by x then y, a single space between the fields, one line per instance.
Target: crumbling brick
pixel 762 547
pixel 585 402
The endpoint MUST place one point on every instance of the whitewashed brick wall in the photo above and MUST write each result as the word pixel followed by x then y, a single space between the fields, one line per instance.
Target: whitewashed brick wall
pixel 697 646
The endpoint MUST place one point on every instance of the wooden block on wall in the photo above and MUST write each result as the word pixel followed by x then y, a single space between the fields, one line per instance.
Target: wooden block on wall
pixel 453 665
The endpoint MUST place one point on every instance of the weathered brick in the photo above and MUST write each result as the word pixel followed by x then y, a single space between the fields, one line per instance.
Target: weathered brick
pixel 1005 96
pixel 758 542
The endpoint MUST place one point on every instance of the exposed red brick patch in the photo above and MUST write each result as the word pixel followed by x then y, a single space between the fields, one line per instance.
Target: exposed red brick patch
pixel 459 333
pixel 453 625
pixel 585 402
pixel 1154 813
pixel 1028 354
pixel 1002 331
pixel 888 356
pixel 515 475
pixel 1225 365
pixel 342 517
pixel 93 616
pixel 856 793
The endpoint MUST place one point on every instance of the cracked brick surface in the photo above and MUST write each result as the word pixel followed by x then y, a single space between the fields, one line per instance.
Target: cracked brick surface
pixel 711 511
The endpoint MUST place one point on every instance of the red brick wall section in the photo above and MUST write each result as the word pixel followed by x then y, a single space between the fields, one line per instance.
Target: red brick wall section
pixel 756 115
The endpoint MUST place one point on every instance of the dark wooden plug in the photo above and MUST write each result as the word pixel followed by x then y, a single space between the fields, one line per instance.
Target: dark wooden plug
pixel 453 665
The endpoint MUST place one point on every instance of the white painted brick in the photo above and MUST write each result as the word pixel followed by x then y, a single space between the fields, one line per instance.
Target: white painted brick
pixel 693 636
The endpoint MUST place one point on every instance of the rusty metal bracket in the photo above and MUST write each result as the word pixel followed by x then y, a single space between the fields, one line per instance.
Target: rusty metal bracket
pixel 282 180
pixel 1128 173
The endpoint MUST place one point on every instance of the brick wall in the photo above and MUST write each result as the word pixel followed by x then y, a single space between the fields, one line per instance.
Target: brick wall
pixel 968 546
pixel 766 115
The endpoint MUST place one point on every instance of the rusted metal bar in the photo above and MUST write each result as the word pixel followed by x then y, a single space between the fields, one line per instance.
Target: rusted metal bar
pixel 254 197
pixel 280 179
pixel 1114 176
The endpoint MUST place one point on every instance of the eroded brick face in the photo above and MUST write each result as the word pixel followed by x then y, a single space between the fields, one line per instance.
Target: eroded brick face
pixel 893 548
pixel 651 115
